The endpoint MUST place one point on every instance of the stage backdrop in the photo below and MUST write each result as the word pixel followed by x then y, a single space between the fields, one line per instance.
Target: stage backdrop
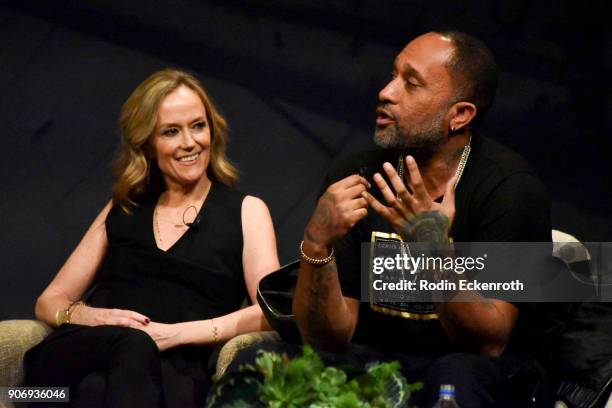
pixel 297 81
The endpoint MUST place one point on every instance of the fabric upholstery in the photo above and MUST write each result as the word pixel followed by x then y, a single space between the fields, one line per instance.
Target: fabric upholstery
pixel 233 346
pixel 17 337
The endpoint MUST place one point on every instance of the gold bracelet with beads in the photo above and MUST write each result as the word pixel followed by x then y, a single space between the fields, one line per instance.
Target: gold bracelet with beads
pixel 316 261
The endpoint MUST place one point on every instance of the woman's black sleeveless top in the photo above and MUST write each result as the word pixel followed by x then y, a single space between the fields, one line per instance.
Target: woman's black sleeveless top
pixel 199 277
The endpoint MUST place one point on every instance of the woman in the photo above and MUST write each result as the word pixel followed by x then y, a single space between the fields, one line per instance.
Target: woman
pixel 169 261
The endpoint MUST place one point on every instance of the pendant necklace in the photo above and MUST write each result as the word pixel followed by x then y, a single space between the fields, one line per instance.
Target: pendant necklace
pixel 184 223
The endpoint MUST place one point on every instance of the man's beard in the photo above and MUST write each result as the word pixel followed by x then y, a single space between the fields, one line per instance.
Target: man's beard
pixel 421 142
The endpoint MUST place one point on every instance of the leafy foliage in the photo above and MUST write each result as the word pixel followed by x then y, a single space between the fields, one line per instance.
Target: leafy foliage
pixel 306 382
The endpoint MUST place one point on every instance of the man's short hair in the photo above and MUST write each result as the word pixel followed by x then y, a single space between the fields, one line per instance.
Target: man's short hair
pixel 474 72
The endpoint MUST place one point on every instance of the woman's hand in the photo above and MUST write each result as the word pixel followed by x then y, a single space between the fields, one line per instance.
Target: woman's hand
pixel 404 206
pixel 97 316
pixel 165 335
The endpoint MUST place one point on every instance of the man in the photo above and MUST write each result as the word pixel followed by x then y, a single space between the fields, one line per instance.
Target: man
pixel 442 85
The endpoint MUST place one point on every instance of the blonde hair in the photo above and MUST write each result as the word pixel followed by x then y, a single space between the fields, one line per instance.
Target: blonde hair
pixel 137 175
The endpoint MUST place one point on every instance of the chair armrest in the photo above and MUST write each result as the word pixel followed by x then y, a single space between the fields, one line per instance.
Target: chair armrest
pixel 17 337
pixel 233 346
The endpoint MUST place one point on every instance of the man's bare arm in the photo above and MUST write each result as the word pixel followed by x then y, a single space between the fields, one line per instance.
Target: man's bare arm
pixel 484 325
pixel 325 317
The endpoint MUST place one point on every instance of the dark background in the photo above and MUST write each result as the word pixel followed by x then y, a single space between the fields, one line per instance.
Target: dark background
pixel 297 81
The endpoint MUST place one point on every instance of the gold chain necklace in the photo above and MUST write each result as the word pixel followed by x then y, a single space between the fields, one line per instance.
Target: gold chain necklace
pixel 156 218
pixel 458 173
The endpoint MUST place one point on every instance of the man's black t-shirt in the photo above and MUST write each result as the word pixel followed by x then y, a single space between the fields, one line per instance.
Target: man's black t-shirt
pixel 498 199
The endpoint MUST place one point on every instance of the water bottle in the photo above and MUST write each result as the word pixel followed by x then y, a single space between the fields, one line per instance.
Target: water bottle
pixel 447 397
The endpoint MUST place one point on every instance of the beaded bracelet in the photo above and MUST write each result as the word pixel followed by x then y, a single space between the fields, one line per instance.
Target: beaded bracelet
pixel 315 261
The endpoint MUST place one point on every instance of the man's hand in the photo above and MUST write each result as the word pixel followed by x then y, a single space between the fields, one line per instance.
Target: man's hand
pixel 404 205
pixel 338 210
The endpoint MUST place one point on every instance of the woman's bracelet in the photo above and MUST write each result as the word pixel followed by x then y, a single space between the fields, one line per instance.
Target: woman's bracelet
pixel 316 261
pixel 214 331
pixel 63 316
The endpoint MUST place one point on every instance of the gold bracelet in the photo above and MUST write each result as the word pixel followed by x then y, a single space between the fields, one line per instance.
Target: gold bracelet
pixel 73 307
pixel 59 317
pixel 62 316
pixel 316 261
pixel 214 330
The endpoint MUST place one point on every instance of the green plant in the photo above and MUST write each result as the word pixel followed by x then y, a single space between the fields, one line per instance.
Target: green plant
pixel 305 381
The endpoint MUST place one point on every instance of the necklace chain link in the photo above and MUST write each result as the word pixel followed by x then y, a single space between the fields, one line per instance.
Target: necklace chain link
pixel 159 237
pixel 465 155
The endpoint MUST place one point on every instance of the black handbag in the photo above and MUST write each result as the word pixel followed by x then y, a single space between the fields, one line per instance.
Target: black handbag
pixel 275 297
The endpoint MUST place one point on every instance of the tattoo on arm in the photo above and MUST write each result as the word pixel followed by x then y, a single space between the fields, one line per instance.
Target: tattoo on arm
pixel 322 216
pixel 428 226
pixel 320 284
